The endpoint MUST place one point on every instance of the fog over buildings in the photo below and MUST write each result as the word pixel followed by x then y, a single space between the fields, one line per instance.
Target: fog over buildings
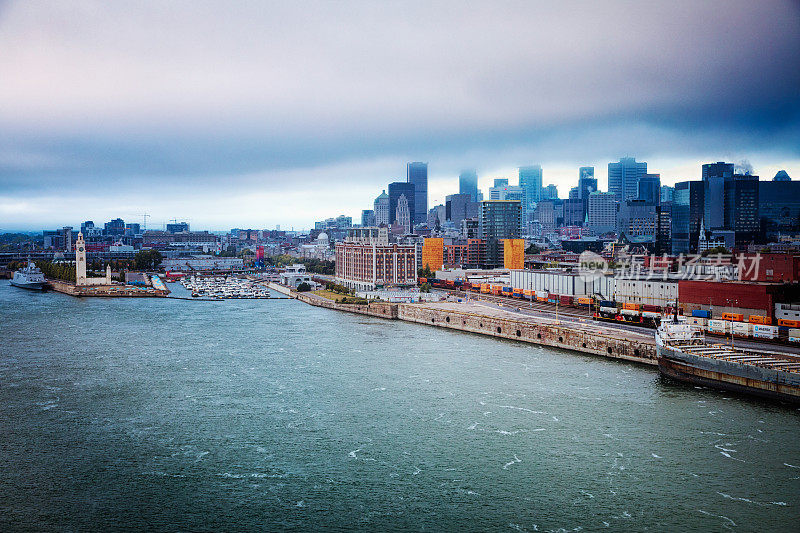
pixel 257 113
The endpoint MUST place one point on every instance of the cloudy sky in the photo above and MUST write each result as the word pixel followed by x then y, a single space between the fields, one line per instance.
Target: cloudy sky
pixel 252 114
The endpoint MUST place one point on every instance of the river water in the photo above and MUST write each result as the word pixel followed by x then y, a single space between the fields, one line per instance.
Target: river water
pixel 263 415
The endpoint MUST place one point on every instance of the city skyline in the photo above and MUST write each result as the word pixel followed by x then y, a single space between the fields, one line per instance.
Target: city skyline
pixel 180 112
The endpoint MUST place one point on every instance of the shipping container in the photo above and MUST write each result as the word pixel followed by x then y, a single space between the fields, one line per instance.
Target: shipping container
pixel 566 300
pixel 585 301
pixel 760 319
pixel 507 291
pixel 486 288
pixel 734 317
pixel 789 323
pixel 651 314
pixel 629 312
pixel 719 326
pixel 606 303
pixel 609 310
pixel 528 294
pixel 541 294
pixel 552 300
pixel 517 293
pixel 765 332
pixel 651 308
pixel 702 313
pixel 794 335
pixel 697 321
pixel 631 307
pixel 742 329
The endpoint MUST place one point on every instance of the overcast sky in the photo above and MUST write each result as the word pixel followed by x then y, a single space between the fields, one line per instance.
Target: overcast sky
pixel 252 114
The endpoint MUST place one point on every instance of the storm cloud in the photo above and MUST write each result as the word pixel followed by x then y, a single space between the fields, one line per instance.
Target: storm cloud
pixel 243 100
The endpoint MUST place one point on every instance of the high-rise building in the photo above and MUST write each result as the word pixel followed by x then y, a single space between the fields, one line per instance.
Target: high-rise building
pixel 530 179
pixel 649 189
pixel 460 206
pixel 499 184
pixel 396 189
pixel 730 202
pixel 638 218
pixel 498 220
pixel 719 169
pixel 550 192
pixel 574 212
pixel 417 174
pixel 687 215
pixel 715 176
pixel 741 212
pixel 623 178
pixel 436 216
pixel 381 208
pixel 367 218
pixel 602 212
pixel 115 227
pixel 779 207
pixel 587 183
pixel 664 229
pixel 506 192
pixel 468 184
pixel 403 213
pixel 666 193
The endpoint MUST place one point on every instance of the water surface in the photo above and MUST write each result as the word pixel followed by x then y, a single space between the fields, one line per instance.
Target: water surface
pixel 263 415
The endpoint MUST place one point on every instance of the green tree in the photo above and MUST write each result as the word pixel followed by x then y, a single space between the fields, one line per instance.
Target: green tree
pixel 303 287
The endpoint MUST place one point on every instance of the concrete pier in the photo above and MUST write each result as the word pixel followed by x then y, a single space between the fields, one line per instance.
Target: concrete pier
pixel 115 291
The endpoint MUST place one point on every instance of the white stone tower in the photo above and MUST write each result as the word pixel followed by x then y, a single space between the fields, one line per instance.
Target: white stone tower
pixel 80 260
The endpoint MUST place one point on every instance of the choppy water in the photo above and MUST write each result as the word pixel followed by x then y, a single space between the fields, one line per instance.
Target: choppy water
pixel 264 415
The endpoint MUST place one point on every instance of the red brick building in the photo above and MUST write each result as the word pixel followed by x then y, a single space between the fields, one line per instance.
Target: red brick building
pixel 366 260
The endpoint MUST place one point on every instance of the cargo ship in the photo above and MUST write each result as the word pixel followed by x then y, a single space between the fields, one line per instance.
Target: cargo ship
pixel 684 355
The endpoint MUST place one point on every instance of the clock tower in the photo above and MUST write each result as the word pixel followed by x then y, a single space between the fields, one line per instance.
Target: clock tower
pixel 80 260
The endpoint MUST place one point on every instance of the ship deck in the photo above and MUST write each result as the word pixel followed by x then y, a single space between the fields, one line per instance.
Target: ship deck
pixel 773 360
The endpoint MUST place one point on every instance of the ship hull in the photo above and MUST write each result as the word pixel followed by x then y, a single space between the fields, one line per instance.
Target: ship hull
pixel 31 285
pixel 732 377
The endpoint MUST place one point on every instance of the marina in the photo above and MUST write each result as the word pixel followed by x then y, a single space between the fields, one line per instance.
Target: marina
pixel 223 287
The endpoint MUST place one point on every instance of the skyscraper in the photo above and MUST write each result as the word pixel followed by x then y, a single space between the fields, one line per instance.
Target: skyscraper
pixel 458 207
pixel 403 213
pixel 550 192
pixel 417 174
pixel 530 179
pixel 779 207
pixel 587 183
pixel 623 178
pixel 396 189
pixel 602 212
pixel 382 209
pixel 468 184
pixel 666 193
pixel 687 214
pixel 649 189
pixel 715 175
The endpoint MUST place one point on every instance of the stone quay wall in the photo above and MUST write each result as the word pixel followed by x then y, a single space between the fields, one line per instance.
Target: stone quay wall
pixel 580 339
pixel 528 330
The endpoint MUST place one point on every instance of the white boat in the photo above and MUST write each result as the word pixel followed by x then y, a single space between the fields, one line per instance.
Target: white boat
pixel 29 277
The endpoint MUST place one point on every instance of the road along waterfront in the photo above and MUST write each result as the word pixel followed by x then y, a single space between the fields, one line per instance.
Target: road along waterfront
pixel 252 414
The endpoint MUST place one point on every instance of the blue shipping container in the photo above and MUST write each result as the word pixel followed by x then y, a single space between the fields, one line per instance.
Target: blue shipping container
pixel 700 313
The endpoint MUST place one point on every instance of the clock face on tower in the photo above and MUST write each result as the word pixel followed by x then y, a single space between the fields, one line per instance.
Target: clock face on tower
pixel 80 249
